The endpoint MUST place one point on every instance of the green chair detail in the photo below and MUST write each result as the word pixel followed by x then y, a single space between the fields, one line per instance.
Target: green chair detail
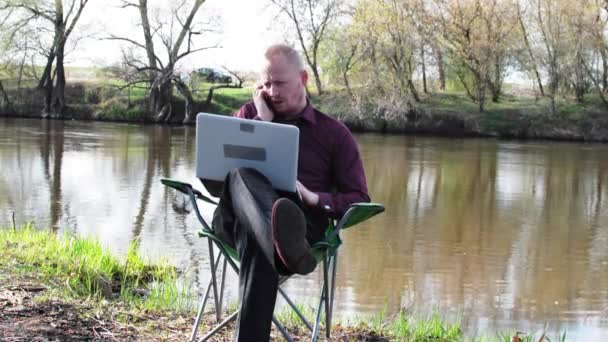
pixel 325 251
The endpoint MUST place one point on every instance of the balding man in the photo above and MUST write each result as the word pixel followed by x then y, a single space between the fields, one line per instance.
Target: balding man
pixel 275 229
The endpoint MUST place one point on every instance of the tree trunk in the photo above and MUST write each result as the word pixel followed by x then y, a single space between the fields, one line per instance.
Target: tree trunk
pixel 424 87
pixel 48 97
pixel 596 83
pixel 46 74
pixel 55 93
pixel 160 98
pixel 532 59
pixel 496 84
pixel 315 72
pixel 553 106
pixel 481 92
pixel 540 83
pixel 413 90
pixel 187 94
pixel 7 102
pixel 21 67
pixel 440 67
pixel 145 23
pixel 347 83
pixel 463 81
pixel 553 84
pixel 579 86
pixel 58 101
pixel 604 70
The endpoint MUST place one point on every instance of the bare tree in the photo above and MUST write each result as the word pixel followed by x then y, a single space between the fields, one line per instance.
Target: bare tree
pixel 549 16
pixel 341 52
pixel 533 64
pixel 462 30
pixel 310 18
pixel 176 36
pixel 590 28
pixel 477 36
pixel 238 75
pixel 63 20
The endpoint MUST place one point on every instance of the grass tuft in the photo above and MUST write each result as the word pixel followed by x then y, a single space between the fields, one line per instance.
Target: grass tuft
pixel 88 270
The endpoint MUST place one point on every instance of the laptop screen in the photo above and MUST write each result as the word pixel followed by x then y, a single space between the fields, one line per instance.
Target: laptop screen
pixel 224 143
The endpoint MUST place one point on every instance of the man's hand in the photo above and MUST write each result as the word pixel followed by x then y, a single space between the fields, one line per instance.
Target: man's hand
pixel 264 112
pixel 309 198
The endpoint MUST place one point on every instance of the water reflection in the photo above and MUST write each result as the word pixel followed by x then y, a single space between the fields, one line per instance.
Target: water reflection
pixel 502 235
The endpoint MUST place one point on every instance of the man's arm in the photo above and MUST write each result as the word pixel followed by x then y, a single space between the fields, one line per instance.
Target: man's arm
pixel 349 177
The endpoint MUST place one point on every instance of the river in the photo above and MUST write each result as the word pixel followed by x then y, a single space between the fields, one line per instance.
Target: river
pixel 497 235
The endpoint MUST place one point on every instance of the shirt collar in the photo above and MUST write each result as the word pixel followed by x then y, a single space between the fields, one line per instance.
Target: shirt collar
pixel 308 113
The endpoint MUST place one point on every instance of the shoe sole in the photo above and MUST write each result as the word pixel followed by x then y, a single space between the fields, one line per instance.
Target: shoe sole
pixel 293 250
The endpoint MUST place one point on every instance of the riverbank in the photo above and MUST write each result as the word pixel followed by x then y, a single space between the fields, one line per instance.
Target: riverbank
pixel 516 116
pixel 451 114
pixel 69 288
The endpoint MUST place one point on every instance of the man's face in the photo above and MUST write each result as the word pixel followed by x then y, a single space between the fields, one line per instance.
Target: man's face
pixel 285 84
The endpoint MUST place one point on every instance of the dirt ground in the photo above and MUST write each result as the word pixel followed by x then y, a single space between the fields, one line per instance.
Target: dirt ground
pixel 24 318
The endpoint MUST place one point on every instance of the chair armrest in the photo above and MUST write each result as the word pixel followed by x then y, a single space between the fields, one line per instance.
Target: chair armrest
pixel 359 212
pixel 184 188
pixel 356 213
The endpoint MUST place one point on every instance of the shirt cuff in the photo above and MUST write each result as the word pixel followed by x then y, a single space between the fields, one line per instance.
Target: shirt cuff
pixel 325 204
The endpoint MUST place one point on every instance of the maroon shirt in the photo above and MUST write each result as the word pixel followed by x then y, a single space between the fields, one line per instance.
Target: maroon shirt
pixel 329 163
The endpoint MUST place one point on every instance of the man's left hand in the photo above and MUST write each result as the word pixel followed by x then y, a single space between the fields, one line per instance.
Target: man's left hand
pixel 309 198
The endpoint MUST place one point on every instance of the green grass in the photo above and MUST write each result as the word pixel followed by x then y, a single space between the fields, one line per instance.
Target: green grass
pixel 458 102
pixel 289 318
pixel 89 271
pixel 523 337
pixel 229 100
pixel 399 328
pixel 135 113
pixel 80 268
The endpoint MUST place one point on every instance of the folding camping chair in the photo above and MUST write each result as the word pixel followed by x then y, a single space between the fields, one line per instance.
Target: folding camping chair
pixel 325 251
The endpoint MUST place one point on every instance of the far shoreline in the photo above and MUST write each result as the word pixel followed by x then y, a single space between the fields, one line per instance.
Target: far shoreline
pixel 442 125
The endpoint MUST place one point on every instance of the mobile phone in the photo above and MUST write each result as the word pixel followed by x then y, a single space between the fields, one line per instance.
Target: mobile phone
pixel 268 101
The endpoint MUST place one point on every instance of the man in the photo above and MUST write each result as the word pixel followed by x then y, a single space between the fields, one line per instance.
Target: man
pixel 274 230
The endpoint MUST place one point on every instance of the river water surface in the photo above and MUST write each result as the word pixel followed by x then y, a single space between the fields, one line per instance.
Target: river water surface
pixel 497 235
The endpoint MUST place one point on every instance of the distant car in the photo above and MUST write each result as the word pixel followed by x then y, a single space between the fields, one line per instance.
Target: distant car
pixel 214 75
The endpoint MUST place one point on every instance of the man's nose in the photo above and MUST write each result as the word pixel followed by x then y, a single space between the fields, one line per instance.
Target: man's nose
pixel 272 91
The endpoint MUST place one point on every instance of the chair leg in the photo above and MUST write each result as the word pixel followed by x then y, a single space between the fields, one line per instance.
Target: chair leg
pixel 315 332
pixel 223 282
pixel 199 317
pixel 201 310
pixel 228 319
pixel 334 266
pixel 214 282
pixel 326 291
pixel 282 329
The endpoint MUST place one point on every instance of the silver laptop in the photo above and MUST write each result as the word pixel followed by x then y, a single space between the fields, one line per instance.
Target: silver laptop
pixel 224 143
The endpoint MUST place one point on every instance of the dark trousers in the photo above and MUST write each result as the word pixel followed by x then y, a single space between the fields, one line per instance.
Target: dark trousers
pixel 247 199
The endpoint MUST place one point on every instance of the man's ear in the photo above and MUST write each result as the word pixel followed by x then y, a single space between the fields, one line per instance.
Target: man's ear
pixel 304 77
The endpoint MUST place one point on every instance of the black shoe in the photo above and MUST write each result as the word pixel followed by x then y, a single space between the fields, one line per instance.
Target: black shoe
pixel 289 237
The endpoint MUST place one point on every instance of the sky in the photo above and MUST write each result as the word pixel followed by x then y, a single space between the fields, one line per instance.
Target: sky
pixel 247 28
